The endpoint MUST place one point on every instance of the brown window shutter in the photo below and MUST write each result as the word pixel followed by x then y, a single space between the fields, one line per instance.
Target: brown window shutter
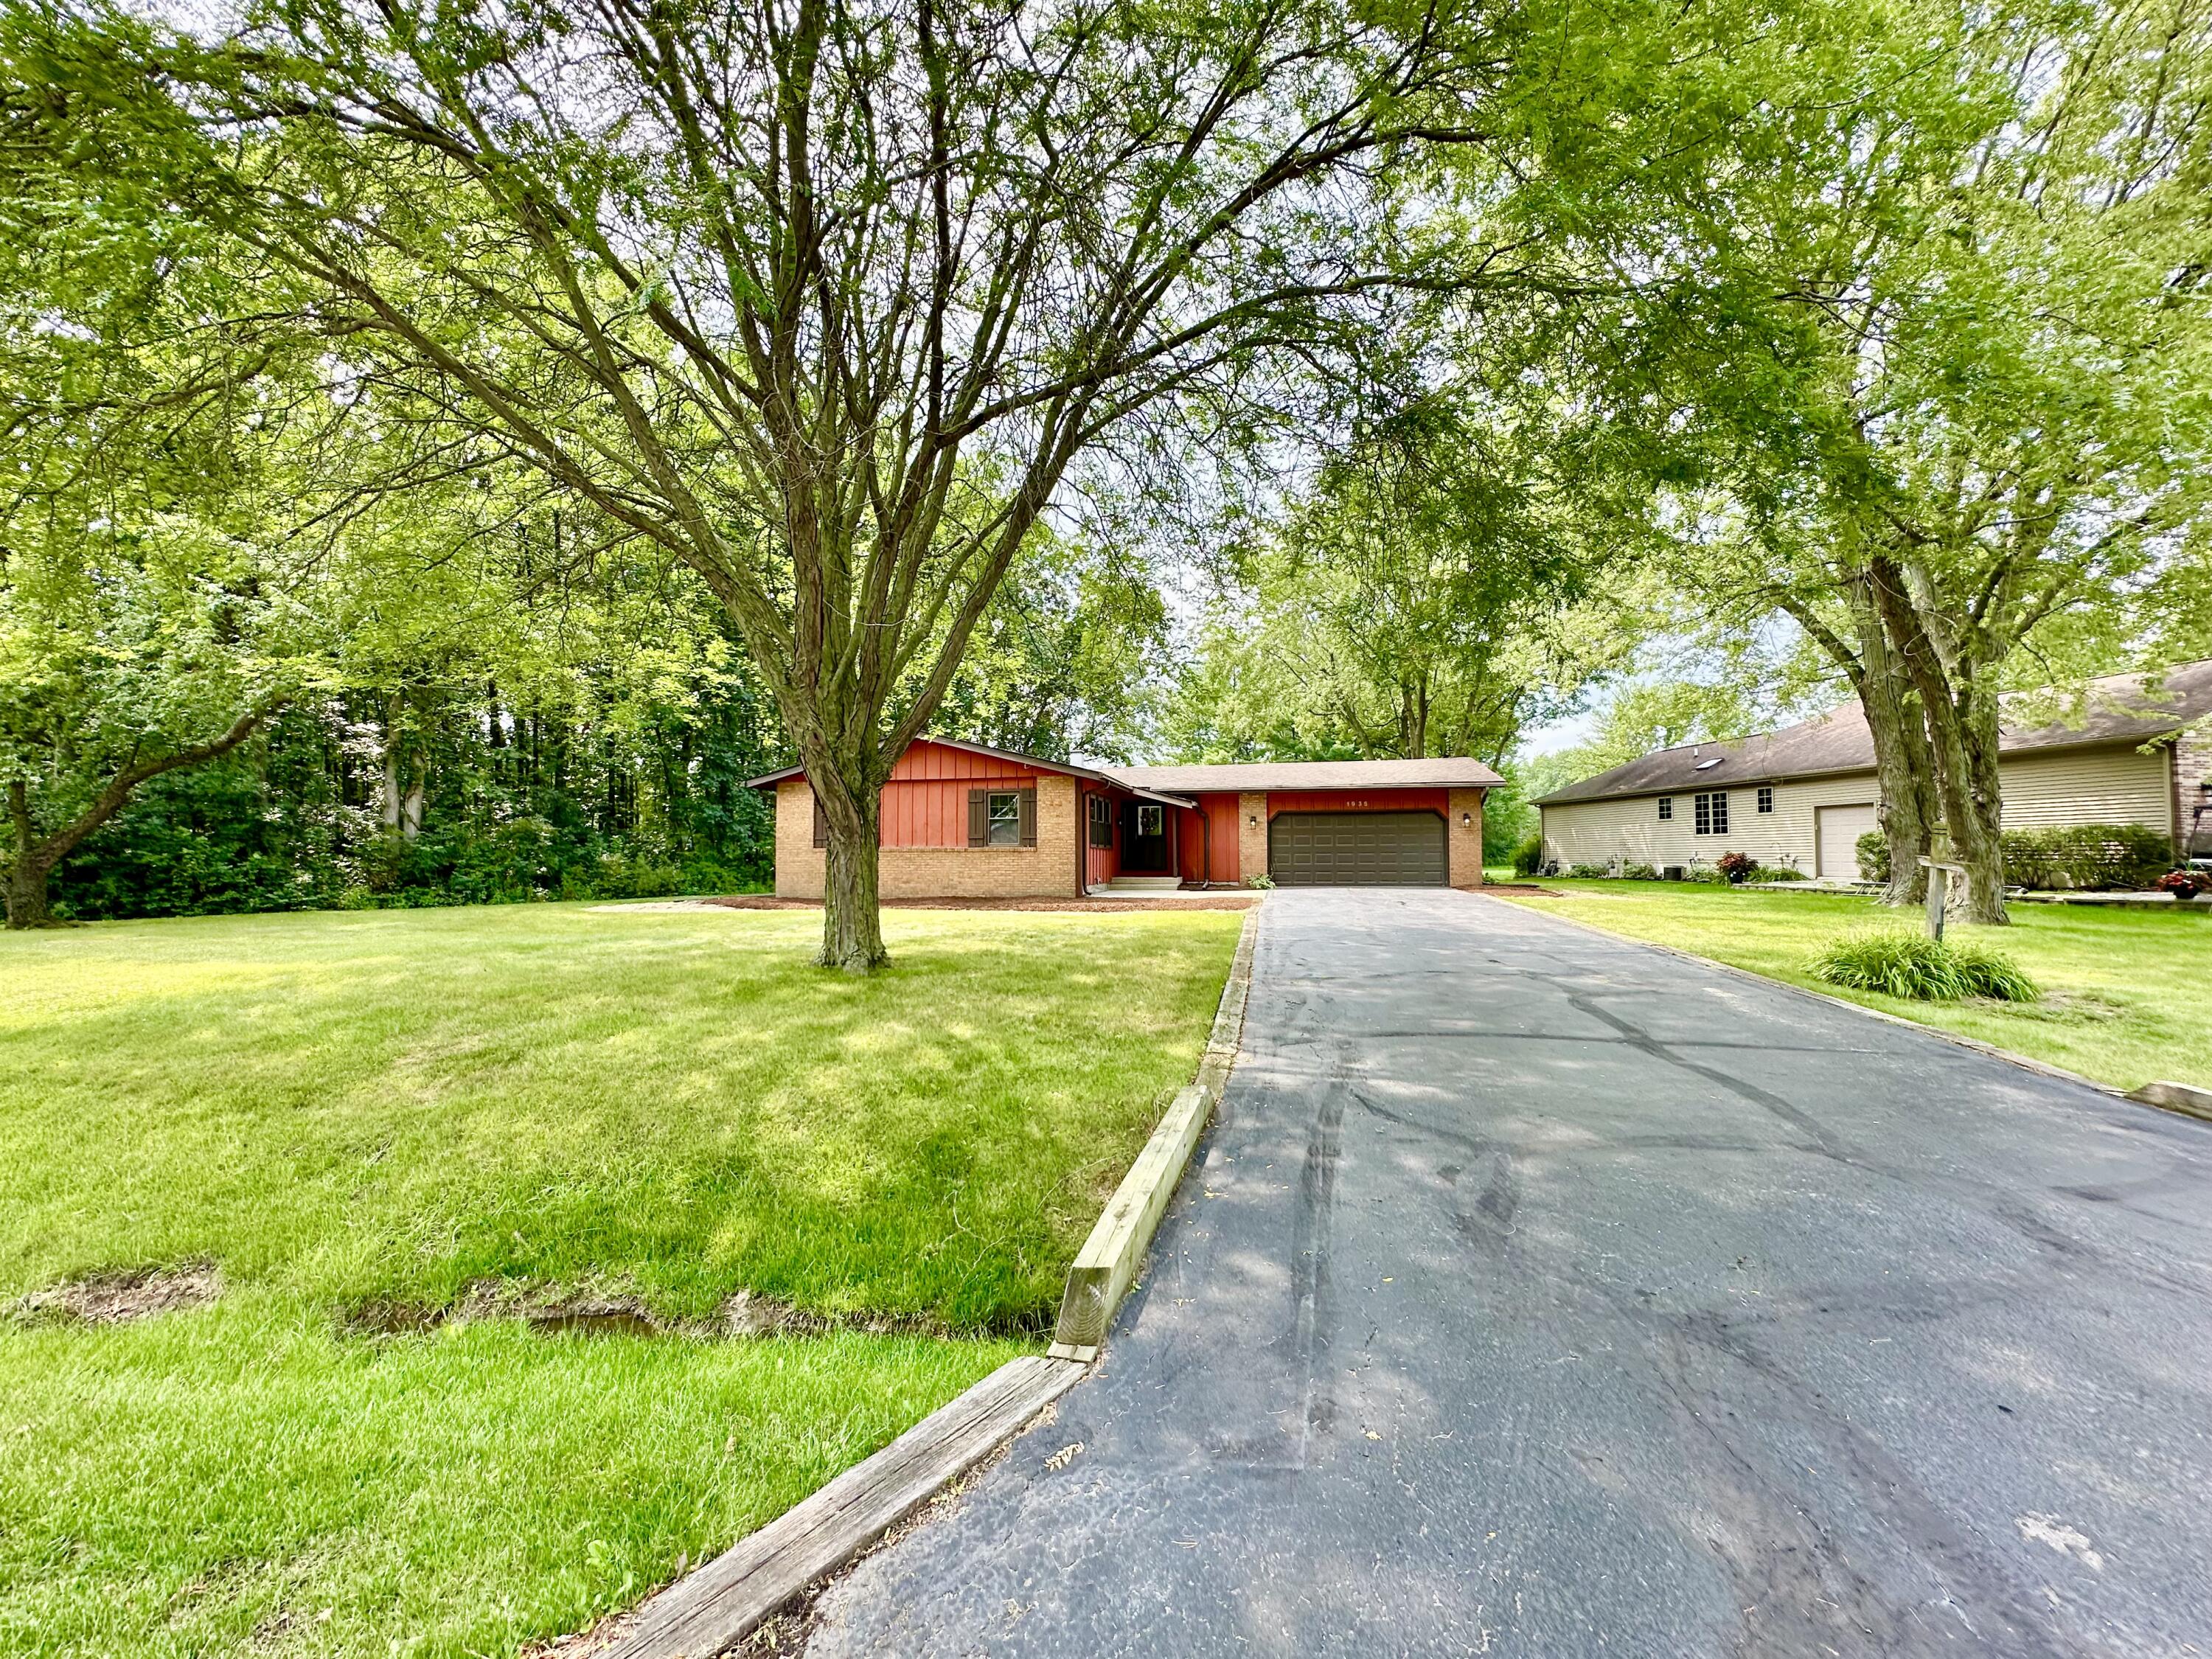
pixel 1029 817
pixel 979 818
pixel 821 820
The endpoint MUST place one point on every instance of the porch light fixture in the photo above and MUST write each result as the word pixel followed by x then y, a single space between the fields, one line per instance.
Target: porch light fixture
pixel 1466 820
pixel 1255 817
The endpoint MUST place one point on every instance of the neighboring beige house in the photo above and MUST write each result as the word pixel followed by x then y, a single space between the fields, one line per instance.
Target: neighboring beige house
pixel 1803 797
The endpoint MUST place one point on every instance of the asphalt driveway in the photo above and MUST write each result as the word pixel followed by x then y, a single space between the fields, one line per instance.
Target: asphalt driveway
pixel 1542 1294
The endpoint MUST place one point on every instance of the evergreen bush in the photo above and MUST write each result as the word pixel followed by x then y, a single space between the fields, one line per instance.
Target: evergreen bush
pixel 2088 857
pixel 1872 850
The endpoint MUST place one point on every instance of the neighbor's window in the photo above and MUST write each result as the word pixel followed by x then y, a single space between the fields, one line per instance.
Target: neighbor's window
pixel 1666 807
pixel 1152 820
pixel 1102 821
pixel 1006 819
pixel 1711 812
pixel 1766 799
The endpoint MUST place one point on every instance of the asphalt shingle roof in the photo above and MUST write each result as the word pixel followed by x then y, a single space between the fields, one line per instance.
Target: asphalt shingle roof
pixel 1448 772
pixel 2113 709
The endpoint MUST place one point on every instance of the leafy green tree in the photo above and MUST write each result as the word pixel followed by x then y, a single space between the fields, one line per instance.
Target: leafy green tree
pixel 1430 592
pixel 1767 553
pixel 1063 660
pixel 1961 313
pixel 144 626
pixel 782 286
pixel 112 673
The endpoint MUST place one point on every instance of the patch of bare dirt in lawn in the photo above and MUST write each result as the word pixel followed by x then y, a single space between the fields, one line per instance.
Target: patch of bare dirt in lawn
pixel 557 1308
pixel 2063 1008
pixel 119 1298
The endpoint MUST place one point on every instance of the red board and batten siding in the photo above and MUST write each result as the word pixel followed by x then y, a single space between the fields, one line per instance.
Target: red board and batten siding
pixel 1218 862
pixel 1100 864
pixel 925 801
pixel 1355 800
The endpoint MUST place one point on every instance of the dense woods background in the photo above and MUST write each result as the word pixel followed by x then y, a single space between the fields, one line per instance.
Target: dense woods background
pixel 446 454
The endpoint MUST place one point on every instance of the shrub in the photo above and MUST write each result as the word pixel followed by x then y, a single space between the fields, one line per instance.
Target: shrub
pixel 1639 872
pixel 1262 882
pixel 1707 875
pixel 1528 856
pixel 1902 965
pixel 1777 872
pixel 2183 884
pixel 1590 872
pixel 1735 867
pixel 1873 851
pixel 2091 856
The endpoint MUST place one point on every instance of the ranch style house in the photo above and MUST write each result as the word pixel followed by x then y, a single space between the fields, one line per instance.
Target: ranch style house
pixel 1803 797
pixel 963 821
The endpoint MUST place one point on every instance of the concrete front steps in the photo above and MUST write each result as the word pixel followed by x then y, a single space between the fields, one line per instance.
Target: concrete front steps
pixel 1136 886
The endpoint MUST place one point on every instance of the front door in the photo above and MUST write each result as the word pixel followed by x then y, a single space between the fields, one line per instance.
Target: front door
pixel 1144 838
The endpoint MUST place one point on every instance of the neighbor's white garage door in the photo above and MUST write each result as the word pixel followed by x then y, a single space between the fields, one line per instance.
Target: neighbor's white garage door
pixel 1838 830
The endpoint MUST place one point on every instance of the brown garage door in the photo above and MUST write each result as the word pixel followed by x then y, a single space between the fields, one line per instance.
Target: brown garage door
pixel 1357 849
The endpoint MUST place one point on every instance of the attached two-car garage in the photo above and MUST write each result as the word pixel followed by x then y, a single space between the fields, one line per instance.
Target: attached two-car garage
pixel 1358 849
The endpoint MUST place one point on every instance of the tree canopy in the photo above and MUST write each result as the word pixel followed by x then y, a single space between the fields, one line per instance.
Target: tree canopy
pixel 756 377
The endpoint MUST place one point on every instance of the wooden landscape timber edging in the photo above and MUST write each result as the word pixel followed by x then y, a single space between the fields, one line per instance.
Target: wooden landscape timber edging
pixel 2176 1097
pixel 721 1603
pixel 708 1611
pixel 2168 1097
pixel 1106 1265
pixel 1228 1018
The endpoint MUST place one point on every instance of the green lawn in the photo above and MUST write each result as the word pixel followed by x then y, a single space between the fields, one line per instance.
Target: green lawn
pixel 421 1111
pixel 2122 990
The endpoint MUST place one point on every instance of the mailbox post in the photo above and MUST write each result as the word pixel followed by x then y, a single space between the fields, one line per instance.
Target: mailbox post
pixel 1938 865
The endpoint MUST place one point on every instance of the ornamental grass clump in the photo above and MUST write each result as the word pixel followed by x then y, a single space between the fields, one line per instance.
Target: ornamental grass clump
pixel 1912 965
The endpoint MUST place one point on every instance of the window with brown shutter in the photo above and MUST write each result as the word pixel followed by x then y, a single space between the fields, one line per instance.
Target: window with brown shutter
pixel 1002 817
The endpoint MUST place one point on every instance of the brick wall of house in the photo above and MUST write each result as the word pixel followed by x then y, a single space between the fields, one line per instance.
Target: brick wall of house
pixel 798 860
pixel 1463 839
pixel 1047 869
pixel 2192 769
pixel 1251 835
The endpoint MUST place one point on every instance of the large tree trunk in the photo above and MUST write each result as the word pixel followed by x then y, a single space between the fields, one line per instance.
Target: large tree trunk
pixel 852 919
pixel 1974 799
pixel 27 872
pixel 1904 766
pixel 1961 711
pixel 27 895
pixel 400 792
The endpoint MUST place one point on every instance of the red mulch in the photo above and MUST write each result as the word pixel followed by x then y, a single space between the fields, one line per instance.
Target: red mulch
pixel 1524 888
pixel 1180 901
